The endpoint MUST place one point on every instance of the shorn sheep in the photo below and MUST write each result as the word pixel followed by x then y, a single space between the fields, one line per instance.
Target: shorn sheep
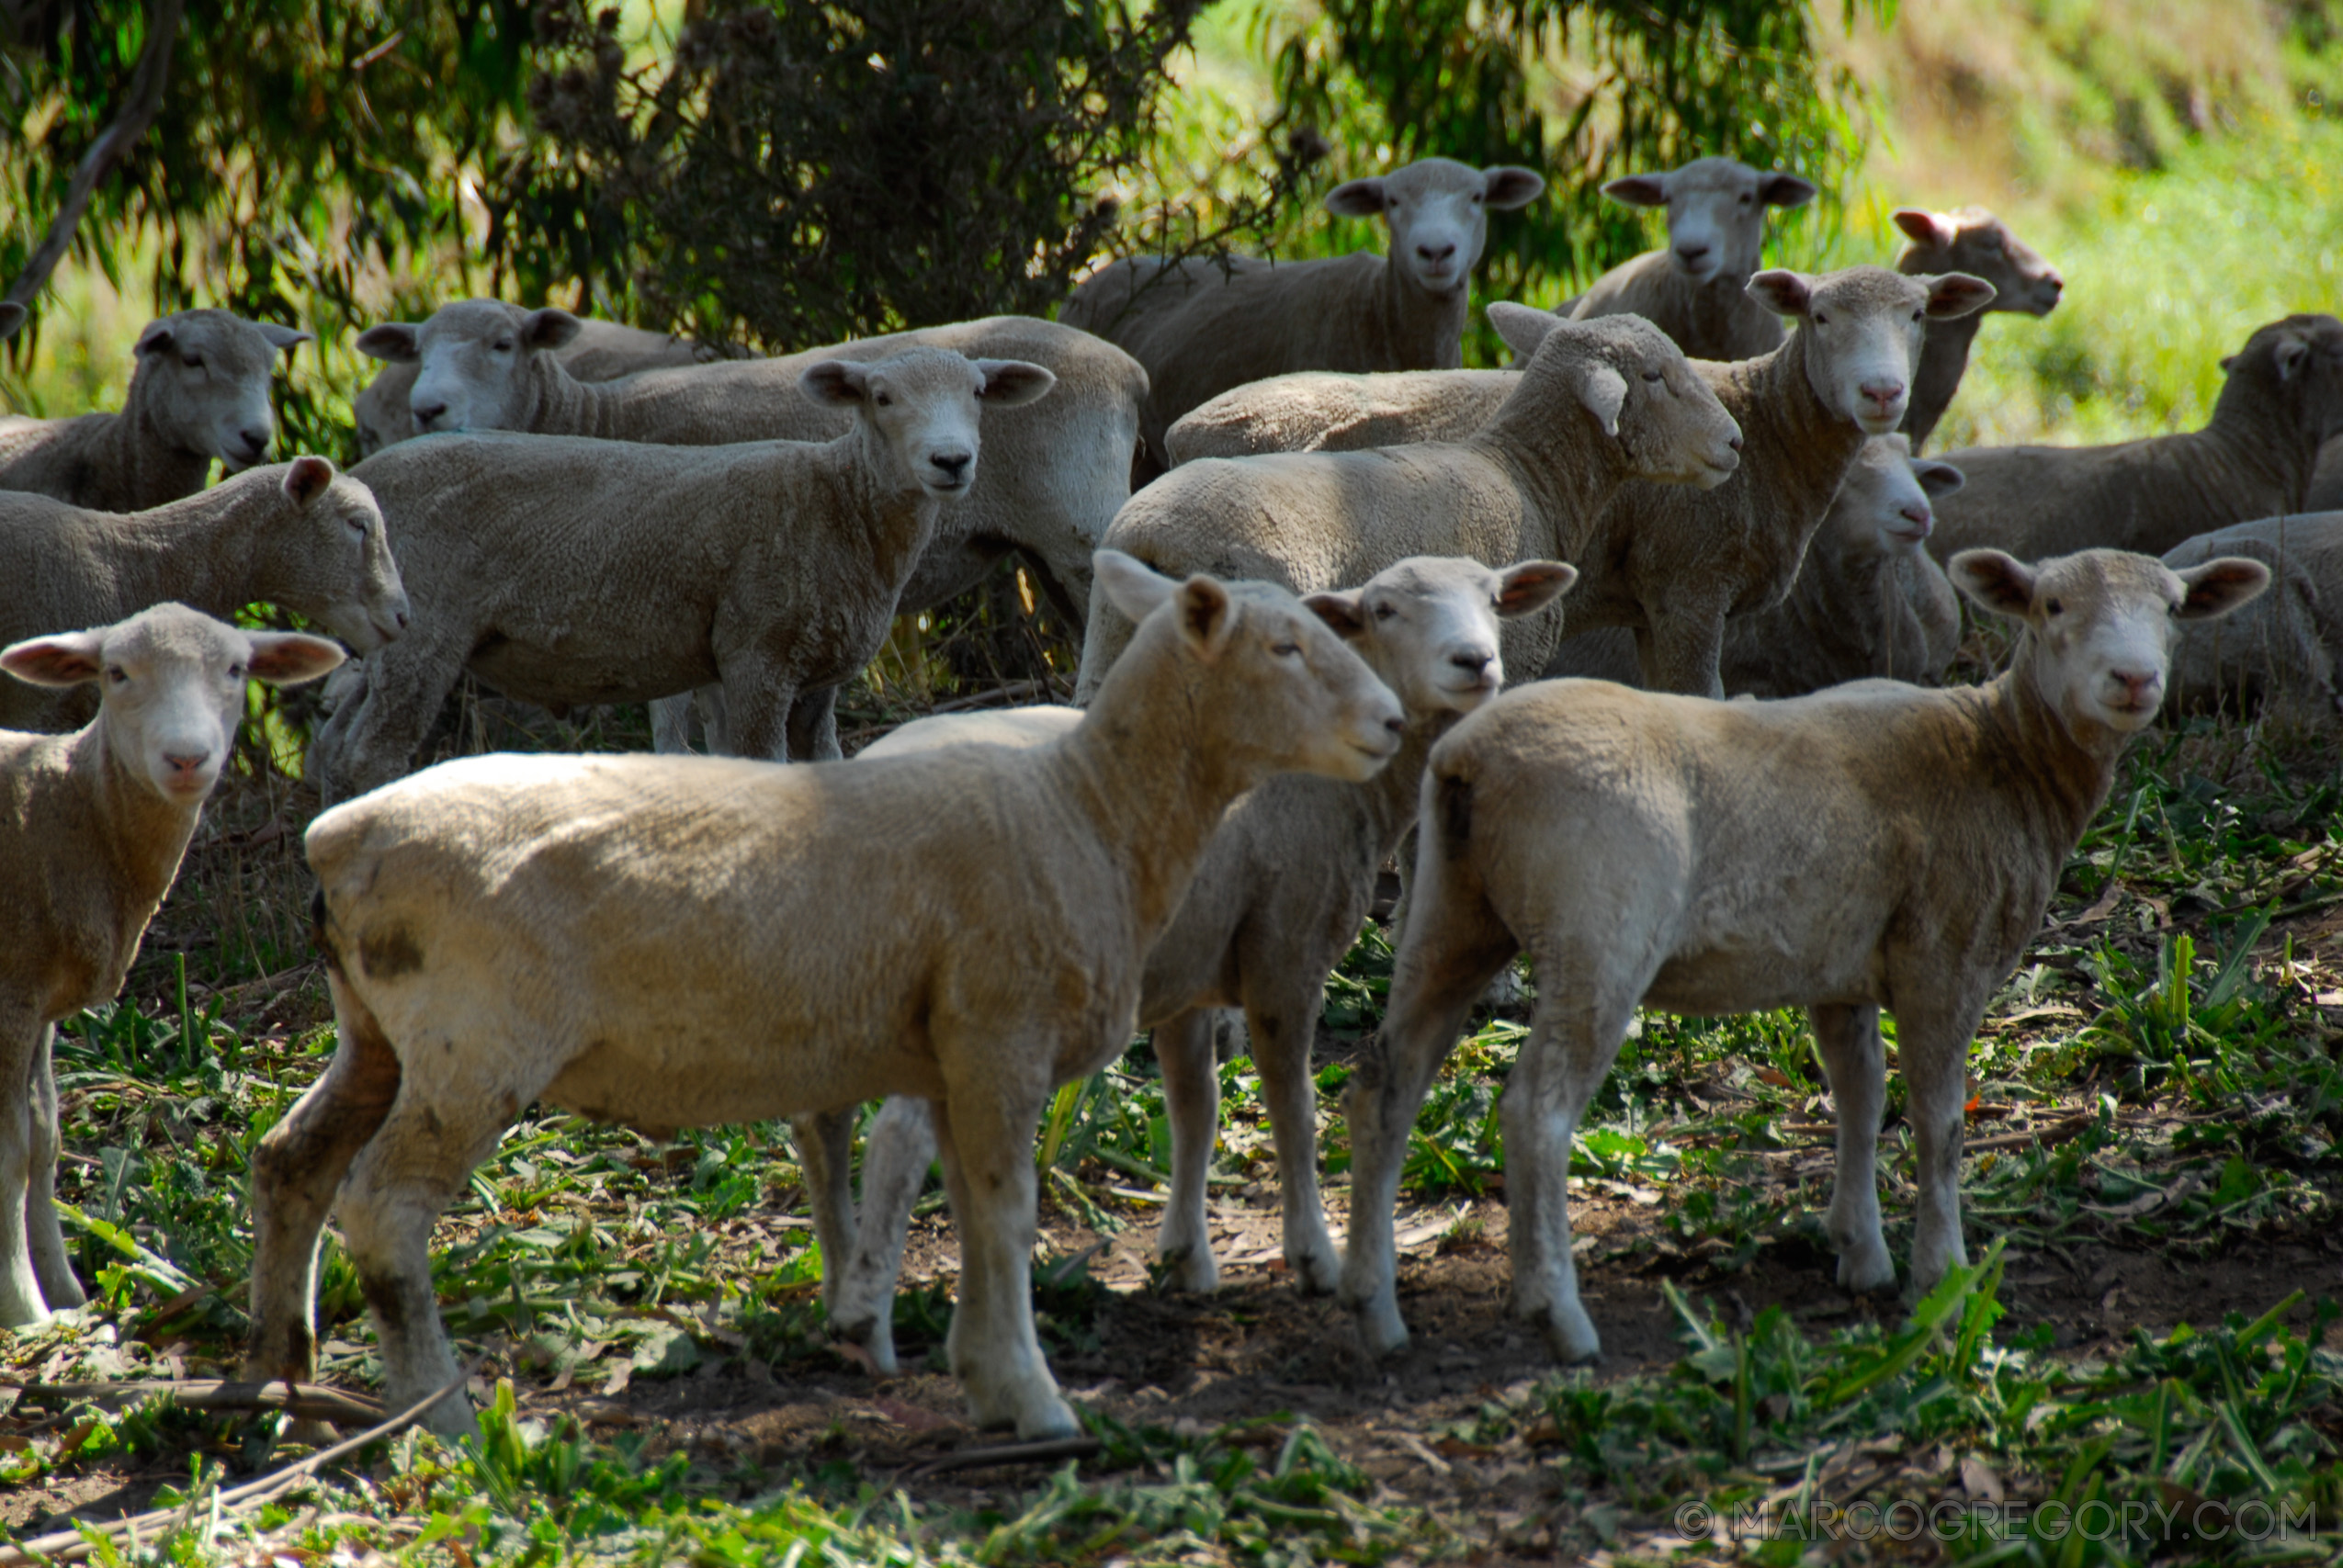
pixel 1695 289
pixel 298 535
pixel 562 571
pixel 1600 403
pixel 92 827
pixel 1201 327
pixel 676 941
pixel 2254 459
pixel 1871 846
pixel 1276 901
pixel 198 390
pixel 1970 240
pixel 2283 656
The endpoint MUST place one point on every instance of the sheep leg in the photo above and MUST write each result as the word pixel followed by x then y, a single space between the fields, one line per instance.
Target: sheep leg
pixel 826 1151
pixel 1680 651
pixel 296 1170
pixel 57 1286
pixel 756 710
pixel 1191 1102
pixel 1283 1022
pixel 671 725
pixel 1933 1048
pixel 1108 633
pixel 20 1298
pixel 897 1151
pixel 1849 1040
pixel 986 1138
pixel 1452 945
pixel 405 688
pixel 813 726
pixel 1573 1040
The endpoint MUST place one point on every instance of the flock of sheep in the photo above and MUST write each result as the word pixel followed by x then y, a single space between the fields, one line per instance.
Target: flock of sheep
pixel 1296 628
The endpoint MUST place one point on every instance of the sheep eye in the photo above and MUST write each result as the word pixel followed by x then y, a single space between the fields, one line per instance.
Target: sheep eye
pixel 2055 607
pixel 1819 318
pixel 1918 313
pixel 1287 649
pixel 1746 198
pixel 192 361
pixel 1653 376
pixel 1385 612
pixel 235 672
pixel 882 401
pixel 1478 198
pixel 117 674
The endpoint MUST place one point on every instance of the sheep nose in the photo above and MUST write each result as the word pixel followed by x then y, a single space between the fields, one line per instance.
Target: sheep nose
pixel 427 413
pixel 2054 283
pixel 1437 253
pixel 1920 515
pixel 1736 442
pixel 1396 724
pixel 186 761
pixel 1884 393
pixel 1692 255
pixel 255 441
pixel 400 618
pixel 953 463
pixel 2139 686
pixel 1471 661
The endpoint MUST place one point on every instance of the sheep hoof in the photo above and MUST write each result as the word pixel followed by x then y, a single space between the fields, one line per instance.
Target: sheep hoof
pixel 1314 1273
pixel 1865 1270
pixel 1569 1331
pixel 1381 1328
pixel 1053 1419
pixel 451 1418
pixel 1191 1269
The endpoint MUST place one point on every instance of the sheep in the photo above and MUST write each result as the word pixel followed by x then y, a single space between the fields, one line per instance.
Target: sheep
pixel 1276 901
pixel 601 351
pixel 2325 492
pixel 2253 458
pixel 1203 326
pixel 1970 240
pixel 1331 411
pixel 1055 477
pixel 1867 601
pixel 677 941
pixel 1696 289
pixel 1874 845
pixel 295 535
pixel 2280 658
pixel 198 390
pixel 95 823
pixel 1671 563
pixel 560 570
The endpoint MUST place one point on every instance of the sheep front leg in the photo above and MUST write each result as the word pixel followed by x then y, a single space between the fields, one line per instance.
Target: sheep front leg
pixel 1682 651
pixel 406 684
pixel 825 1152
pixel 671 725
pixel 1191 1104
pixel 1849 1040
pixel 757 696
pixel 20 1300
pixel 986 1138
pixel 813 726
pixel 1934 1047
pixel 1281 1016
pixel 897 1150
pixel 296 1170
pixel 57 1286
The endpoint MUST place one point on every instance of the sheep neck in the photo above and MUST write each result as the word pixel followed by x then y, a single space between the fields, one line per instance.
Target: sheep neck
pixel 135 466
pixel 1945 359
pixel 1795 448
pixel 2030 755
pixel 1845 606
pixel 132 839
pixel 202 551
pixel 2261 435
pixel 561 404
pixel 1567 467
pixel 899 515
pixel 1421 331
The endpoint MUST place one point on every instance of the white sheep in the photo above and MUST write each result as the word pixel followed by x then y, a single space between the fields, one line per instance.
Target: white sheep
pixel 92 827
pixel 1203 326
pixel 601 350
pixel 1876 845
pixel 675 942
pixel 562 571
pixel 1276 901
pixel 198 390
pixel 2254 459
pixel 1970 240
pixel 297 536
pixel 1868 600
pixel 2283 656
pixel 1695 289
pixel 1334 410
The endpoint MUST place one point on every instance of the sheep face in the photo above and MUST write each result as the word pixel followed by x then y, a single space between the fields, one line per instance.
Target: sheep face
pixel 334 537
pixel 1427 625
pixel 1886 502
pixel 923 406
pixel 1971 240
pixel 475 362
pixel 1438 212
pixel 2299 363
pixel 2100 624
pixel 1716 212
pixel 203 378
pixel 171 688
pixel 1291 697
pixel 1862 327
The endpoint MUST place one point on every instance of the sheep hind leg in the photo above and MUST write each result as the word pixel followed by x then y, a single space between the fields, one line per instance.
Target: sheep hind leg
pixel 1191 1104
pixel 1848 1038
pixel 1282 1019
pixel 57 1286
pixel 21 1304
pixel 825 1152
pixel 813 726
pixel 897 1150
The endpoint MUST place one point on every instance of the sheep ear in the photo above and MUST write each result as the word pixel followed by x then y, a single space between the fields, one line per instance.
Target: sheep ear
pixel 1938 479
pixel 12 316
pixel 1781 291
pixel 2290 354
pixel 306 479
pixel 283 339
pixel 1952 294
pixel 1922 226
pixel 549 329
pixel 1605 391
pixel 67 660
pixel 395 343
pixel 1523 327
pixel 1207 615
pixel 1011 383
pixel 1998 581
pixel 2221 585
pixel 1529 586
pixel 288 659
pixel 1356 198
pixel 838 382
pixel 1345 614
pixel 156 339
pixel 1778 189
pixel 1639 191
pixel 1509 185
pixel 1129 583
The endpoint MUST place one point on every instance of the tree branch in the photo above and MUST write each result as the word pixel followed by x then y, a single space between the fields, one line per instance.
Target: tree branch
pixel 108 152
